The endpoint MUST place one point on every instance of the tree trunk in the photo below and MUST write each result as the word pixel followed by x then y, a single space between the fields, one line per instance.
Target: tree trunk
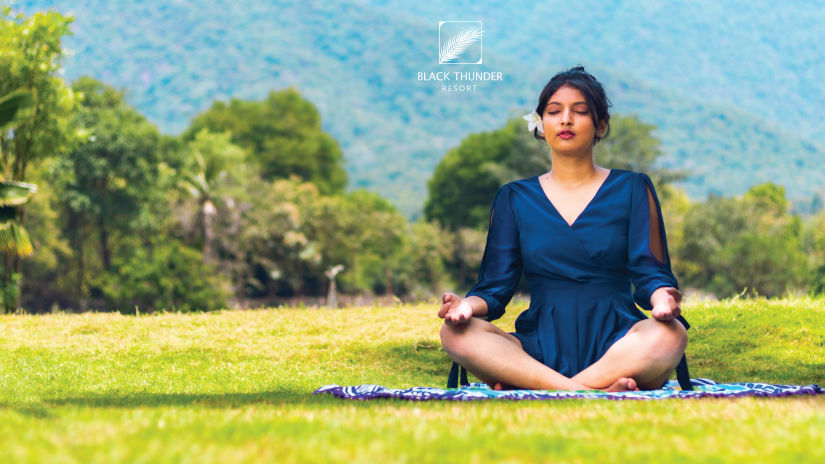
pixel 6 277
pixel 460 254
pixel 105 252
pixel 332 294
pixel 81 274
pixel 388 274
pixel 208 212
pixel 21 214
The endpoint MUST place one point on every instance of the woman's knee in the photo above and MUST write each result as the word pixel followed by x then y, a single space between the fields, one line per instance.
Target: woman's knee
pixel 670 337
pixel 452 338
pixel 457 339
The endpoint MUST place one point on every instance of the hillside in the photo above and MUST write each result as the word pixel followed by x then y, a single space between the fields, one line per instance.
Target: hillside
pixel 731 87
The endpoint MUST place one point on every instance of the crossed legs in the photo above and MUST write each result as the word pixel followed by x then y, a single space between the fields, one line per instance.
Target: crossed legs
pixel 645 356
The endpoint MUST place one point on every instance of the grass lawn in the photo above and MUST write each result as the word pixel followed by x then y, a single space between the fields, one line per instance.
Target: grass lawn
pixel 235 386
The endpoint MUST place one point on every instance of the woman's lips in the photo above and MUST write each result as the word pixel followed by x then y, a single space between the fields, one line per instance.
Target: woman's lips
pixel 566 134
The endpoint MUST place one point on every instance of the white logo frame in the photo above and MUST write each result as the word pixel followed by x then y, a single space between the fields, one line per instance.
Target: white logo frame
pixel 453 46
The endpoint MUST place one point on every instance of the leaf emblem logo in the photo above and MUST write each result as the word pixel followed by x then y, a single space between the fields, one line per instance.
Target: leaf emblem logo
pixel 459 38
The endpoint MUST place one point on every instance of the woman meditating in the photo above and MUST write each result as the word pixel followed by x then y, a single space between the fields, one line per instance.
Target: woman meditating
pixel 581 234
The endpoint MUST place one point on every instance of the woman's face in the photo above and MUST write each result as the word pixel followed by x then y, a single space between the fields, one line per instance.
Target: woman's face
pixel 568 126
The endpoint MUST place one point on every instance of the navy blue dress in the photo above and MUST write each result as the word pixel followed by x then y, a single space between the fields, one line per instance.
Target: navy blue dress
pixel 580 275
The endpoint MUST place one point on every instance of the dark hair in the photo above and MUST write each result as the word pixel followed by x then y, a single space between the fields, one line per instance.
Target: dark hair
pixel 591 89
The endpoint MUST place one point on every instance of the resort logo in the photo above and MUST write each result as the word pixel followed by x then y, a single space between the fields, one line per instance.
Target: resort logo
pixel 459 42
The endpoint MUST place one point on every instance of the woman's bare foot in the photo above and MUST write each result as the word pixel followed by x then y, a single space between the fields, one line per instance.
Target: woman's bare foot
pixel 623 384
pixel 498 386
pixel 620 385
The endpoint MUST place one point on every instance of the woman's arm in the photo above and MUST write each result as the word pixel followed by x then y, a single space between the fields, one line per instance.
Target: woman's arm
pixel 648 260
pixel 501 265
pixel 664 300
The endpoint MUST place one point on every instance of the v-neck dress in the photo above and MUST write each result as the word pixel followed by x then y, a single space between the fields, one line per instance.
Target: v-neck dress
pixel 580 274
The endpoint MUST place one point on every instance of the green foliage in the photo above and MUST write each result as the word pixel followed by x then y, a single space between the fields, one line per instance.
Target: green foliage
pixel 13 104
pixel 108 178
pixel 163 276
pixel 50 272
pixel 287 235
pixel 110 193
pixel 14 240
pixel 365 233
pixel 631 145
pixel 274 250
pixel 464 182
pixel 10 288
pixel 36 102
pixel 30 57
pixel 423 260
pixel 282 135
pixel 212 173
pixel 813 244
pixel 751 242
pixel 675 206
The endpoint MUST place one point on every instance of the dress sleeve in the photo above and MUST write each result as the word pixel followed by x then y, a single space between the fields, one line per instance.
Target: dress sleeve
pixel 501 266
pixel 648 260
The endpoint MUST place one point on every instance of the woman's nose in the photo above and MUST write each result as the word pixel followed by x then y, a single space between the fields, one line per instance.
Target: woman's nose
pixel 566 117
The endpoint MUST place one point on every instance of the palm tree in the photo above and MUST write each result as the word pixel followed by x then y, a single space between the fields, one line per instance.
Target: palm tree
pixel 14 240
pixel 214 161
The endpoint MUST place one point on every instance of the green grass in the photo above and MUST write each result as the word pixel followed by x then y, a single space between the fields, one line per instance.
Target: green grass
pixel 235 386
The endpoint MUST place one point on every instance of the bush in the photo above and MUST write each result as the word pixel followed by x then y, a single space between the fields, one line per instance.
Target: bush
pixel 168 276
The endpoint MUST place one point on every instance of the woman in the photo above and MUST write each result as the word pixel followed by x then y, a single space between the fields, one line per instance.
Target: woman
pixel 581 234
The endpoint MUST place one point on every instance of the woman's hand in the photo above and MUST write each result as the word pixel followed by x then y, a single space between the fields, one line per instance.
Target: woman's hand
pixel 454 309
pixel 665 301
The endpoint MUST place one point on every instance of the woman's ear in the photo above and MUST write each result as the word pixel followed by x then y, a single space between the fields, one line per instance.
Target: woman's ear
pixel 601 129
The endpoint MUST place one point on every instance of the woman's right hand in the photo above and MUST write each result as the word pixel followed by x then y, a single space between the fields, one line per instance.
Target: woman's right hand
pixel 454 309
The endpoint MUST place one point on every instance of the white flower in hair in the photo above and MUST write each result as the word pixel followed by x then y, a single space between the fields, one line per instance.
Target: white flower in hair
pixel 534 122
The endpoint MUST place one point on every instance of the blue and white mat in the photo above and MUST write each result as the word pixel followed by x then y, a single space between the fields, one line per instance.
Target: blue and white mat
pixel 703 388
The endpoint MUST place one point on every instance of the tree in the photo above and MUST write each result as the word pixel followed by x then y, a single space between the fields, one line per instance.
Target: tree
pixel 106 182
pixel 273 242
pixel 463 184
pixel 427 250
pixel 814 248
pixel 14 240
pixel 675 206
pixel 30 53
pixel 632 146
pixel 365 233
pixel 282 135
pixel 213 164
pixel 30 56
pixel 167 275
pixel 50 270
pixel 751 242
pixel 380 237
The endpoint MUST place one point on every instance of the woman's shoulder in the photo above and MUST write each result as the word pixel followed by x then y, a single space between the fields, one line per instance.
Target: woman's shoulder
pixel 521 183
pixel 627 173
pixel 631 178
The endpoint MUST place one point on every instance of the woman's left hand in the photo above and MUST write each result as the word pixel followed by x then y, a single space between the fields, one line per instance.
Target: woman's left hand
pixel 665 301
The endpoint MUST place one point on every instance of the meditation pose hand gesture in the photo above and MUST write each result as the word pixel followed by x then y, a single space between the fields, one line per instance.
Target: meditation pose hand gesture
pixel 592 244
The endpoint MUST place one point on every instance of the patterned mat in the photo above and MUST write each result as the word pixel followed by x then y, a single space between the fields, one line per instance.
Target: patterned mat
pixel 703 388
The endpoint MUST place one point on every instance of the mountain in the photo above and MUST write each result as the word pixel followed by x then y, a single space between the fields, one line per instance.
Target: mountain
pixel 731 86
